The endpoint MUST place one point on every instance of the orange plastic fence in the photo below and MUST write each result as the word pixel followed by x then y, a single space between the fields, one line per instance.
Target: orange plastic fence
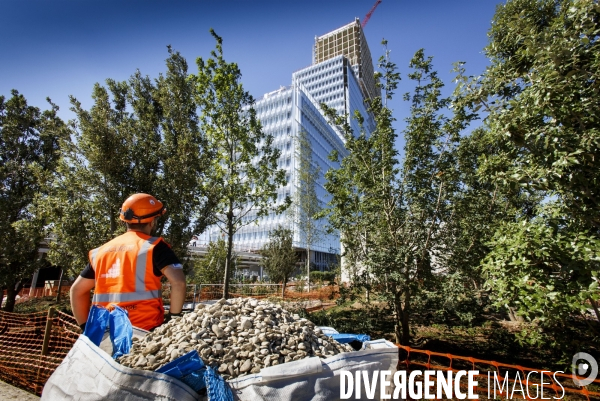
pixel 49 290
pixel 324 293
pixel 207 292
pixel 21 344
pixel 413 359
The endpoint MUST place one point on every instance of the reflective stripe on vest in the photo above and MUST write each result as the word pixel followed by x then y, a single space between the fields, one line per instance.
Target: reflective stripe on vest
pixel 127 296
pixel 140 266
pixel 140 293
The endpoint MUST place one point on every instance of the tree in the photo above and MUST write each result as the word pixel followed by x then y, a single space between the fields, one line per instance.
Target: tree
pixel 211 268
pixel 540 97
pixel 185 156
pixel 29 150
pixel 394 217
pixel 306 206
pixel 84 197
pixel 279 256
pixel 244 163
pixel 139 136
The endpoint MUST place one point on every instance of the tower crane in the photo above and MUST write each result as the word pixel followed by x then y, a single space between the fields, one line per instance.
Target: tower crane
pixel 368 16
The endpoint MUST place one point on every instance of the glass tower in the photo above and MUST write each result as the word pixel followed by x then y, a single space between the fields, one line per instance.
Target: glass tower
pixel 341 76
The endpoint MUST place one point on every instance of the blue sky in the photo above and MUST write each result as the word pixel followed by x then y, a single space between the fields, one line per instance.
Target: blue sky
pixel 61 47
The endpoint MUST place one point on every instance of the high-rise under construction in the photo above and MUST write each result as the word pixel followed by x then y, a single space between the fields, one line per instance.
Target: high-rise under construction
pixel 349 41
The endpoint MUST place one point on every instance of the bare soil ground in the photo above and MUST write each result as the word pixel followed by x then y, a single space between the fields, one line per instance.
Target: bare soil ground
pixel 8 393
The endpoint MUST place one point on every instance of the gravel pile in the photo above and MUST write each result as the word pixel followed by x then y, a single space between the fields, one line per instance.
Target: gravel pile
pixel 236 336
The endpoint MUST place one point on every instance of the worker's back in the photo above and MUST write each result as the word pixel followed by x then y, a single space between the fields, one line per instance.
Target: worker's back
pixel 124 276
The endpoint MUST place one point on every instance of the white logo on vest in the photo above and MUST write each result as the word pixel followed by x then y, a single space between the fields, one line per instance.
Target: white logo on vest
pixel 114 271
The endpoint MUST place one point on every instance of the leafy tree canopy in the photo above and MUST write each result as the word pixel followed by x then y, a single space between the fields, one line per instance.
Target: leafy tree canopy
pixel 140 135
pixel 540 95
pixel 29 150
pixel 244 174
pixel 279 256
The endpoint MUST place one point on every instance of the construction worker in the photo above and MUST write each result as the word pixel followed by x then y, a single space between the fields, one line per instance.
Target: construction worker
pixel 127 270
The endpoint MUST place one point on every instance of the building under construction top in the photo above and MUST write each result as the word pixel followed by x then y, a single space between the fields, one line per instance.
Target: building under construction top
pixel 350 42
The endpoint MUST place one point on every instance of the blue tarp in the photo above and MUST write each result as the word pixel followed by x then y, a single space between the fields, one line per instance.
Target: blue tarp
pixel 117 321
pixel 188 368
pixel 344 338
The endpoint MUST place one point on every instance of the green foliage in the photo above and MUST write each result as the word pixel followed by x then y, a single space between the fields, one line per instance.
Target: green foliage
pixel 542 269
pixel 545 91
pixel 540 95
pixel 139 136
pixel 29 150
pixel 42 304
pixel 369 319
pixel 394 217
pixel 244 173
pixel 211 268
pixel 300 285
pixel 321 277
pixel 279 256
pixel 451 300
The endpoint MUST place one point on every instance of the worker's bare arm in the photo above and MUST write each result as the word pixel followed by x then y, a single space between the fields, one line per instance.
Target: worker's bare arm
pixel 80 298
pixel 177 280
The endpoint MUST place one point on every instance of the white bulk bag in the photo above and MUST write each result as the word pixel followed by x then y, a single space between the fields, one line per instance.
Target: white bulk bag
pixel 314 378
pixel 88 373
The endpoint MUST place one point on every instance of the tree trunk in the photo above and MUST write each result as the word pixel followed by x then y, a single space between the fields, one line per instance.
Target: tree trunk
pixel 113 223
pixel 283 288
pixel 60 279
pixel 229 251
pixel 595 306
pixel 11 295
pixel 398 313
pixel 406 320
pixel 512 315
pixel 228 265
pixel 368 287
pixel 308 268
pixel 33 288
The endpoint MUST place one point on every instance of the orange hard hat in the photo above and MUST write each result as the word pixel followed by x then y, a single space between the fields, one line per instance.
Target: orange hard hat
pixel 141 208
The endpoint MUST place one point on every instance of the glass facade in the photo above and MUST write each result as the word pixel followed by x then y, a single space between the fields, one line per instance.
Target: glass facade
pixel 286 112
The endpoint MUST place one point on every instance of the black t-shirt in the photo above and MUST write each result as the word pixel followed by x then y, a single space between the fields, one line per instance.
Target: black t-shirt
pixel 162 256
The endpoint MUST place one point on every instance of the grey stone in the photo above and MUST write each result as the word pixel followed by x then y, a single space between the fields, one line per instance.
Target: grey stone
pixel 246 366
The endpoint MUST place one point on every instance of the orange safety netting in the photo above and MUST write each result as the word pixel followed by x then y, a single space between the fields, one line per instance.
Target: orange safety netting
pixel 324 293
pixel 414 359
pixel 209 292
pixel 23 337
pixel 191 293
pixel 206 292
pixel 50 289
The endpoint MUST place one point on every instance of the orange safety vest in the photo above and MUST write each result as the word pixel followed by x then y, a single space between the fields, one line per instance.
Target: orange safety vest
pixel 125 277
